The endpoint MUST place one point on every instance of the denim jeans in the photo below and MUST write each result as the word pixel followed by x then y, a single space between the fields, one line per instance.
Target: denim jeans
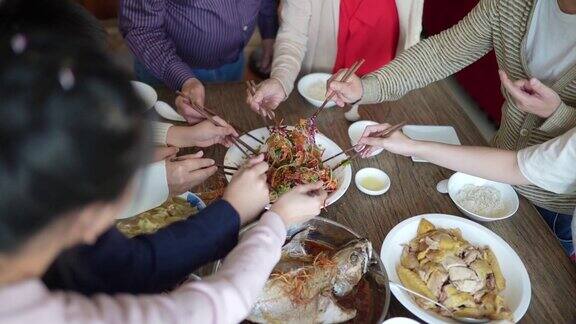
pixel 560 224
pixel 225 73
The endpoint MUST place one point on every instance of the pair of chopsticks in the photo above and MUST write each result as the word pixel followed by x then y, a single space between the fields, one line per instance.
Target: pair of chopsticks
pixel 382 134
pixel 210 116
pixel 238 129
pixel 345 78
pixel 227 169
pixel 251 85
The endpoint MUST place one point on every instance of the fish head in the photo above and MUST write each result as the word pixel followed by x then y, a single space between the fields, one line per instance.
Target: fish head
pixel 352 262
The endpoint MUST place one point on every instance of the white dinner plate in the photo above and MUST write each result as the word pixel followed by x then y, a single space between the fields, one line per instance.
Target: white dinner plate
pixel 440 134
pixel 518 288
pixel 234 157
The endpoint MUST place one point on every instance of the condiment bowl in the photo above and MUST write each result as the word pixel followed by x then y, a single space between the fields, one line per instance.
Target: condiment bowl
pixel 509 196
pixel 307 81
pixel 376 175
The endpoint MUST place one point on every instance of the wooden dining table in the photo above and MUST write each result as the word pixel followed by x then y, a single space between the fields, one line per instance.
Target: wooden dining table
pixel 413 187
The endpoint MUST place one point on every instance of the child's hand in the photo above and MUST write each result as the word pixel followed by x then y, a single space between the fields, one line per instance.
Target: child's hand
pixel 187 171
pixel 300 204
pixel 203 134
pixel 396 142
pixel 248 190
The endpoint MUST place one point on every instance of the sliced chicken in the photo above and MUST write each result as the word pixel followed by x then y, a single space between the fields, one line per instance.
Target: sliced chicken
pixel 462 273
pixel 452 261
pixel 471 255
pixel 435 282
pixel 469 286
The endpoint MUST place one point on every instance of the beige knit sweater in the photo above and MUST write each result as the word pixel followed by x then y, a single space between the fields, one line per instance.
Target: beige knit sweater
pixel 307 39
pixel 501 25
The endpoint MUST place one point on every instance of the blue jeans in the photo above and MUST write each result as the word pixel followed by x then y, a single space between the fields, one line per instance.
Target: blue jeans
pixel 225 73
pixel 560 224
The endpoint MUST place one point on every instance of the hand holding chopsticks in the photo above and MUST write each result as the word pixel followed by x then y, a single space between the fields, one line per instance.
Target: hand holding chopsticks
pixel 209 114
pixel 376 132
pixel 353 69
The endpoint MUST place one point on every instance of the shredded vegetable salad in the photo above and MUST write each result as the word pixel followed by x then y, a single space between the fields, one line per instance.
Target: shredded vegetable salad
pixel 295 159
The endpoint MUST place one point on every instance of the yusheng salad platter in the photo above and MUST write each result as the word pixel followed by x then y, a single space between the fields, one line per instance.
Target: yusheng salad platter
pixel 327 274
pixel 295 155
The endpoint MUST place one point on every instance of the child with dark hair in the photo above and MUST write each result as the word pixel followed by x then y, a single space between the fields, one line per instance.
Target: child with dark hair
pixel 146 263
pixel 71 138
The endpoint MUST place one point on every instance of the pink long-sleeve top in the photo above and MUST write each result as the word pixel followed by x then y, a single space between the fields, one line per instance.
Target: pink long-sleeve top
pixel 225 297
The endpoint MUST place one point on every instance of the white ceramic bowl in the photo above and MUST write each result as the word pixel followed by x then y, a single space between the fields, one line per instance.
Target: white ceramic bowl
pixel 234 157
pixel 509 195
pixel 376 174
pixel 146 93
pixel 518 288
pixel 356 130
pixel 307 81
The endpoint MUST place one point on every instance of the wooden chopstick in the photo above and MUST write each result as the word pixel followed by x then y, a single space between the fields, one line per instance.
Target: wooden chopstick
pixel 343 152
pixel 345 78
pixel 226 167
pixel 382 134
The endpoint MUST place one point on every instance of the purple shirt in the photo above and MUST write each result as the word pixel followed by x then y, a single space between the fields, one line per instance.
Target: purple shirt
pixel 172 37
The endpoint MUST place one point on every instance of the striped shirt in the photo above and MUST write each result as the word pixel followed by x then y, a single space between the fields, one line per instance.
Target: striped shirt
pixel 501 25
pixel 172 37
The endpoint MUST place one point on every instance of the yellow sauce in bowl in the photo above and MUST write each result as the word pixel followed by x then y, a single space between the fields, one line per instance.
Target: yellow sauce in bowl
pixel 372 183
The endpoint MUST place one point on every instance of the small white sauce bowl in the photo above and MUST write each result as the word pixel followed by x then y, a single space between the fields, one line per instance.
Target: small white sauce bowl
pixel 509 196
pixel 356 130
pixel 307 81
pixel 374 173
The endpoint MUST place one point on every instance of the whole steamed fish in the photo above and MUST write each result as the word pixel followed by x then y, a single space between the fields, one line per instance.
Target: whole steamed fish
pixel 303 288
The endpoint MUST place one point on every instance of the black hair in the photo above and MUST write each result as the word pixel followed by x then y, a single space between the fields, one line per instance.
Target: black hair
pixel 58 17
pixel 72 132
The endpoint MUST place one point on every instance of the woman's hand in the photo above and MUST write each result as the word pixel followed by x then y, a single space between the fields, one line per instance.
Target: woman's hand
pixel 531 96
pixel 346 92
pixel 269 94
pixel 203 134
pixel 300 204
pixel 397 142
pixel 188 171
pixel 194 89
pixel 248 190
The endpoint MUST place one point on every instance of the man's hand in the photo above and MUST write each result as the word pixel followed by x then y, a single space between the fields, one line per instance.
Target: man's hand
pixel 187 171
pixel 267 55
pixel 194 89
pixel 531 96
pixel 268 96
pixel 346 92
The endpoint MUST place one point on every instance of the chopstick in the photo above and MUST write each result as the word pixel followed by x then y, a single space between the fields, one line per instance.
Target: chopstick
pixel 226 167
pixel 237 141
pixel 343 152
pixel 345 78
pixel 238 129
pixel 382 134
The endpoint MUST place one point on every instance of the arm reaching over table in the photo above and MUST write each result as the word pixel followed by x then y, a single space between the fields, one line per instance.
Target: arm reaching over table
pixel 548 165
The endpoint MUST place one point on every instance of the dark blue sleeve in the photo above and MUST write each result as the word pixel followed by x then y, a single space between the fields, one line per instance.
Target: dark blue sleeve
pixel 147 263
pixel 268 19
